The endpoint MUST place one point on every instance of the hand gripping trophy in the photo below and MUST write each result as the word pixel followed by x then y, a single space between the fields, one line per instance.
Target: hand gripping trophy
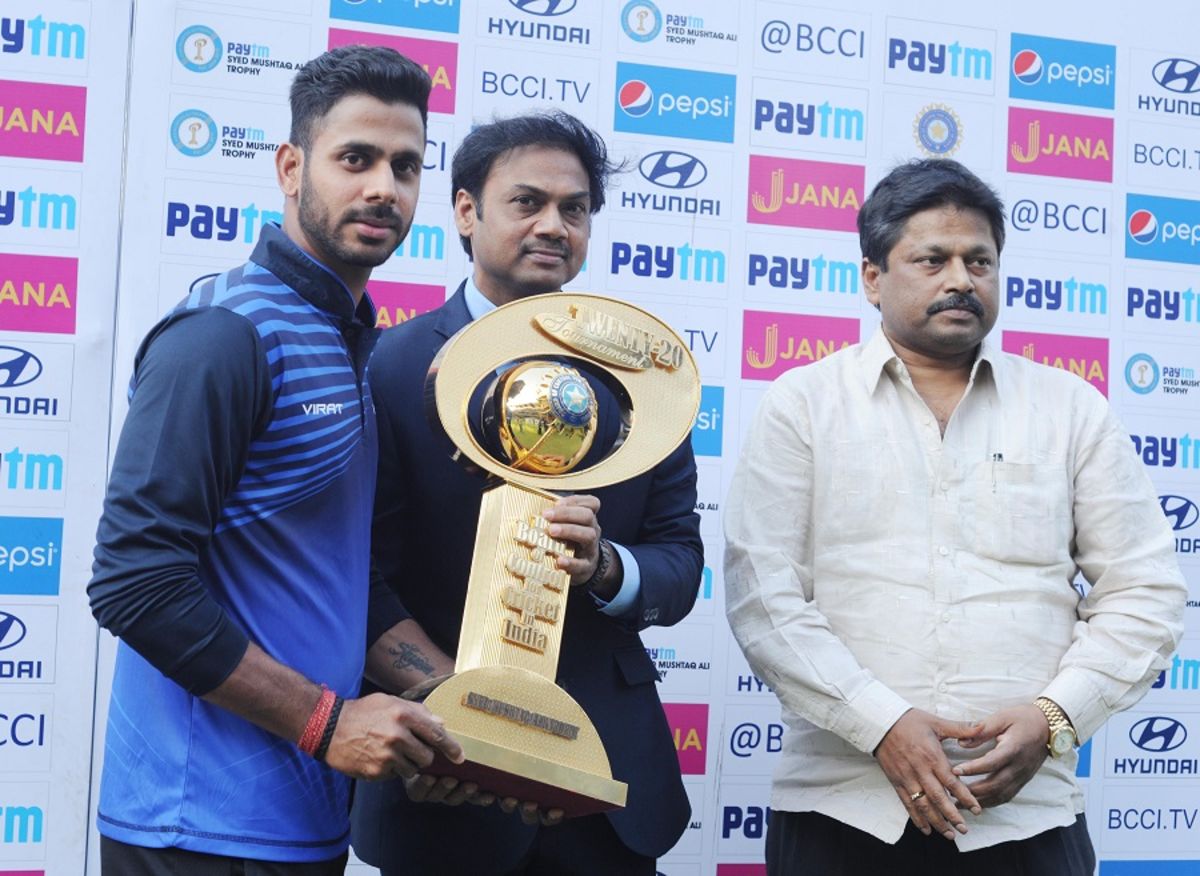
pixel 511 392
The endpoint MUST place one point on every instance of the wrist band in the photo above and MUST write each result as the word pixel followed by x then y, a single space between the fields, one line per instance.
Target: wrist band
pixel 315 728
pixel 603 562
pixel 330 726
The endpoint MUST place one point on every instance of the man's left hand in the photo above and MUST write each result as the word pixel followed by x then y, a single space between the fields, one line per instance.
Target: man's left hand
pixel 573 520
pixel 1021 734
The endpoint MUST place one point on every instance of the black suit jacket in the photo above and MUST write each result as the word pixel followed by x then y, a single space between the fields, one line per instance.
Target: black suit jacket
pixel 426 514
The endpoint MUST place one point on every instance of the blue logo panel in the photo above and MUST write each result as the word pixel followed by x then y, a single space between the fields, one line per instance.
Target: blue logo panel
pixel 1162 229
pixel 30 555
pixel 1149 868
pixel 1062 71
pixel 439 15
pixel 707 432
pixel 674 103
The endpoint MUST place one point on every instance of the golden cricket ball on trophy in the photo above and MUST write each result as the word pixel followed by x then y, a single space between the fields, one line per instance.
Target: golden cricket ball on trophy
pixel 545 414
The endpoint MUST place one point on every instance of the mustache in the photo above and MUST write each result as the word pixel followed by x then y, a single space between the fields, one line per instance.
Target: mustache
pixel 379 214
pixel 957 302
pixel 558 248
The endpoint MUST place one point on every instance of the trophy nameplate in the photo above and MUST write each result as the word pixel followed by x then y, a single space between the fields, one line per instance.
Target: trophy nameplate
pixel 524 736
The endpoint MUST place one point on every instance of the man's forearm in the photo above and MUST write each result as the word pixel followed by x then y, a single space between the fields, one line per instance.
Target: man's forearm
pixel 268 694
pixel 405 656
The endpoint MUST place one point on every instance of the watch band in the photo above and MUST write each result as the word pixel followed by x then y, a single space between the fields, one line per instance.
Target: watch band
pixel 1059 724
pixel 604 561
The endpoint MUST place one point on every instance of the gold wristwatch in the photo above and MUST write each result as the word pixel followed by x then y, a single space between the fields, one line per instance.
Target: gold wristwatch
pixel 1062 734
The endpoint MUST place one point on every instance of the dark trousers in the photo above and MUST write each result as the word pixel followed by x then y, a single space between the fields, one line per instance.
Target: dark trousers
pixel 120 859
pixel 811 844
pixel 586 846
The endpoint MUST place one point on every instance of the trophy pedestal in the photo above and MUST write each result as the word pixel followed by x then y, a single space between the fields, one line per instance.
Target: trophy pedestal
pixel 525 737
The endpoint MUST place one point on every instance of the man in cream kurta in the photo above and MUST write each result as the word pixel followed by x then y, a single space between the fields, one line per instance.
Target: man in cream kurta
pixel 903 533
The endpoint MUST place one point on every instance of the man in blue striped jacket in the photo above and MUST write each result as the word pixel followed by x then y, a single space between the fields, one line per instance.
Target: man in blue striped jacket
pixel 232 555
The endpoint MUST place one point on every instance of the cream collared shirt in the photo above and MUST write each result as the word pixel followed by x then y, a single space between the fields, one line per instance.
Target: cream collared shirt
pixel 873 565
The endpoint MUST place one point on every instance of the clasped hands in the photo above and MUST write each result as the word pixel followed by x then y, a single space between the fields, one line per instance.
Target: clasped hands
pixel 933 792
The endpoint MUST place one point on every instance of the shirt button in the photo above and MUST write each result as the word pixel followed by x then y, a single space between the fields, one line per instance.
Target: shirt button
pixel 945 617
pixel 944 486
pixel 943 687
pixel 944 551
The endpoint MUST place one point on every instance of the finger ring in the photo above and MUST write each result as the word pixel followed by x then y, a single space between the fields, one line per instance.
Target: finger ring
pixel 915 796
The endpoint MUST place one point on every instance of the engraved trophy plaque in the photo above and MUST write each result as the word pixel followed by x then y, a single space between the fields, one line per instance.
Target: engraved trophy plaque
pixel 524 736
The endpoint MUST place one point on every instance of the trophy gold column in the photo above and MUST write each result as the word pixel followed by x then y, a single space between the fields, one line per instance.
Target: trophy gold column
pixel 523 735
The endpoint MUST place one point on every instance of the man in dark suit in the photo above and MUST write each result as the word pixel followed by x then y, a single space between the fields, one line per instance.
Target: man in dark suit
pixel 525 190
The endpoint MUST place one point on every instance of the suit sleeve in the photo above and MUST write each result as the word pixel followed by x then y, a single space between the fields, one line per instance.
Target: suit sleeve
pixel 201 390
pixel 668 550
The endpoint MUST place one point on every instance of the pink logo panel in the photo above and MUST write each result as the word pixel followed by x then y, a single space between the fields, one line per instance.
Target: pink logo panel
pixel 689 727
pixel 1060 144
pixel 439 59
pixel 1085 357
pixel 804 194
pixel 400 302
pixel 38 120
pixel 38 293
pixel 773 343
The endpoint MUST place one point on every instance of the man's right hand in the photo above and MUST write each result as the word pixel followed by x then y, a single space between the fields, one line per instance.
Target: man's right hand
pixel 381 736
pixel 911 756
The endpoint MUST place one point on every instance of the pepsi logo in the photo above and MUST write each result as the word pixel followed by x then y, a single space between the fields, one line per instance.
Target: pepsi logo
pixel 1158 734
pixel 18 367
pixel 1182 512
pixel 1027 67
pixel 673 170
pixel 1143 226
pixel 1178 74
pixel 12 630
pixel 635 98
pixel 544 7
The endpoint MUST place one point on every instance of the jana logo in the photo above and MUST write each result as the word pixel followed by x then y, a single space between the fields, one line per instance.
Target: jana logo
pixel 1178 74
pixel 198 48
pixel 1142 374
pixel 938 131
pixel 544 7
pixel 1182 512
pixel 12 630
pixel 1027 67
pixel 1158 734
pixel 673 170
pixel 1143 226
pixel 636 98
pixel 18 367
pixel 194 133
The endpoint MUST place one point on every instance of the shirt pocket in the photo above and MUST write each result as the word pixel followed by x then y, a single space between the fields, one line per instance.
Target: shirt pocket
pixel 1021 512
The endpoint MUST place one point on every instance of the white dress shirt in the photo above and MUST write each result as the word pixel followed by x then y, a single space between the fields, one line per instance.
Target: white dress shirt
pixel 873 565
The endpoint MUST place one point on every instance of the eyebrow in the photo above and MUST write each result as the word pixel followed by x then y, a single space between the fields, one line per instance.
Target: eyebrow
pixel 534 190
pixel 374 151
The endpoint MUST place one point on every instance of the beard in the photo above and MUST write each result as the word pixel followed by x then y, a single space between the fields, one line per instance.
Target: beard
pixel 318 225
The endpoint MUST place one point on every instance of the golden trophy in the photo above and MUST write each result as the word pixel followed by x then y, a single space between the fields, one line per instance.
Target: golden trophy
pixel 524 736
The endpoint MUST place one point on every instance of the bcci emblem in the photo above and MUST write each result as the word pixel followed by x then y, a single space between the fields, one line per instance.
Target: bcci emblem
pixel 194 133
pixel 1141 374
pixel 570 400
pixel 198 48
pixel 938 131
pixel 641 21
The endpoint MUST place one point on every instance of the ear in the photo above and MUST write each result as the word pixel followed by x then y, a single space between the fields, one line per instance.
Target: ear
pixel 289 167
pixel 465 213
pixel 870 280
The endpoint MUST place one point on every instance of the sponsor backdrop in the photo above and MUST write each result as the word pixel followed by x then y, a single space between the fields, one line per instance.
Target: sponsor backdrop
pixel 752 133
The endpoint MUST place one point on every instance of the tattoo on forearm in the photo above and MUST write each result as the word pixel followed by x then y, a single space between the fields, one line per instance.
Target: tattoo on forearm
pixel 408 656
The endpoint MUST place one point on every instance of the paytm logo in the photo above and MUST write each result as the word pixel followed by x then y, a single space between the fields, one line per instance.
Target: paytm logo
pixel 439 15
pixel 1184 674
pixel 940 59
pixel 823 121
pixel 220 223
pixel 1168 451
pixel 1062 71
pixel 39 38
pixel 32 209
pixel 661 262
pixel 30 555
pixel 1169 305
pixel 1066 296
pixel 749 821
pixel 22 825
pixel 39 120
pixel 672 102
pixel 24 474
pixel 818 273
pixel 1162 229
pixel 708 429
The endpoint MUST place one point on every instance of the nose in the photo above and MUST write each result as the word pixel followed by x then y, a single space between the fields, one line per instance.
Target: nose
pixel 956 277
pixel 379 184
pixel 550 223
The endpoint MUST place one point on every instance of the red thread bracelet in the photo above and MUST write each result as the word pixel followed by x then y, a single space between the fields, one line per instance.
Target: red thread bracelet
pixel 315 728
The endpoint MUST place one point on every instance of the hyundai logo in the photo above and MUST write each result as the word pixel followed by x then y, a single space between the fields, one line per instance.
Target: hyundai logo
pixel 544 7
pixel 1182 512
pixel 12 631
pixel 1158 734
pixel 1178 74
pixel 673 170
pixel 18 367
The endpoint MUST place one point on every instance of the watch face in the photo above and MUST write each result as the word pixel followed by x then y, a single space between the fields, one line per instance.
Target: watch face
pixel 1061 742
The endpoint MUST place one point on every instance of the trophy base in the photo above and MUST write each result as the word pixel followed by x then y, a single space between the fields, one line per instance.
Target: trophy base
pixel 525 737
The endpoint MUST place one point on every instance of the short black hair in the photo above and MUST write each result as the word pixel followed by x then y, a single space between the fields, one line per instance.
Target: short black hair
pixel 375 71
pixel 486 144
pixel 922 184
